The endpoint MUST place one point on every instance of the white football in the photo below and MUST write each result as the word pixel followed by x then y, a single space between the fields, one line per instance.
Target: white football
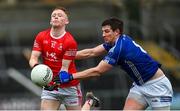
pixel 41 75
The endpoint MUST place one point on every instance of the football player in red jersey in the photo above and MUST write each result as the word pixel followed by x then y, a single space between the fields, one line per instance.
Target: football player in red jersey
pixel 57 48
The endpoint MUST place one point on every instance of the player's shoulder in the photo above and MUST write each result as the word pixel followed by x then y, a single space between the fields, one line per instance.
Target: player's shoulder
pixel 126 37
pixel 44 32
pixel 69 37
pixel 69 41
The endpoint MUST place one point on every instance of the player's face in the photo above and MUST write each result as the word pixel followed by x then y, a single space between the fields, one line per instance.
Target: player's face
pixel 58 18
pixel 109 35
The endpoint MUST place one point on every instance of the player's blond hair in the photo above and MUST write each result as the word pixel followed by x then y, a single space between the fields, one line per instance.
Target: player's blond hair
pixel 63 9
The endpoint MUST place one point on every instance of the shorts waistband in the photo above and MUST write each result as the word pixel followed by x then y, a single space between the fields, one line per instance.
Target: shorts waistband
pixel 155 80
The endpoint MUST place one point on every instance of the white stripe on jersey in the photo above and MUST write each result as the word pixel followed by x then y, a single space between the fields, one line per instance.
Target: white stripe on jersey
pixel 135 71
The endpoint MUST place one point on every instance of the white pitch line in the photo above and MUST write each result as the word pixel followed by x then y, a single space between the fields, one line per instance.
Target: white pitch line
pixel 20 78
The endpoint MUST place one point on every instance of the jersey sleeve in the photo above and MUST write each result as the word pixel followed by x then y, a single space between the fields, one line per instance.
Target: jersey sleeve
pixel 70 51
pixel 37 43
pixel 113 55
pixel 107 46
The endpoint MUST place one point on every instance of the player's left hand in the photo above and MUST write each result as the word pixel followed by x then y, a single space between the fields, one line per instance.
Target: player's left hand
pixel 65 77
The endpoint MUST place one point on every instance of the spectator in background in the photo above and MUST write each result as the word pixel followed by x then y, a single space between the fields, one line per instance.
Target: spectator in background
pixel 57 48
pixel 150 87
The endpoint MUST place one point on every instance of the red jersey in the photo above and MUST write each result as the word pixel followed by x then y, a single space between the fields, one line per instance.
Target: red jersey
pixel 53 50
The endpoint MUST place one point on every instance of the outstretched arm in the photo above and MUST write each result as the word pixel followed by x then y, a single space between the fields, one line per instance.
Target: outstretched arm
pixel 101 68
pixel 90 52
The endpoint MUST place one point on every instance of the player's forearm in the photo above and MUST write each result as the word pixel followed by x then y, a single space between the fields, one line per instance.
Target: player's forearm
pixel 32 63
pixel 91 52
pixel 101 68
pixel 92 72
pixel 96 71
pixel 84 54
pixel 65 65
pixel 34 58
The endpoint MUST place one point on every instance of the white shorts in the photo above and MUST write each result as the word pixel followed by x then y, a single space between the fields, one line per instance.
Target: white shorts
pixel 155 93
pixel 71 96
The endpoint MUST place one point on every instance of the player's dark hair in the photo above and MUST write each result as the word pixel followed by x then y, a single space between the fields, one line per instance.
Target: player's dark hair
pixel 63 9
pixel 115 23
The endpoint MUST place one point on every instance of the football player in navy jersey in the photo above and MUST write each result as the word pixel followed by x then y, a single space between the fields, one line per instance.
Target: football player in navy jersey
pixel 150 87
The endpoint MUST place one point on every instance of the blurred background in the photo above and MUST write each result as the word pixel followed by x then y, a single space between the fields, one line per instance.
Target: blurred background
pixel 152 23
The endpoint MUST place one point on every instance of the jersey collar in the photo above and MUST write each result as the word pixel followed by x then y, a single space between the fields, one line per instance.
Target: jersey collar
pixel 59 36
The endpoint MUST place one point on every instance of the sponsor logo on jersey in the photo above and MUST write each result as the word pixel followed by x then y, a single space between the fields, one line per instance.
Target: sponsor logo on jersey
pixel 51 55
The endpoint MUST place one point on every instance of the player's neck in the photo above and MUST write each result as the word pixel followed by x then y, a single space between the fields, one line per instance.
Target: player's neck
pixel 57 32
pixel 115 39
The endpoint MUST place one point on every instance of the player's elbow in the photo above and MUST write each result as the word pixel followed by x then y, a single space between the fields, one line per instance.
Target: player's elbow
pixel 97 72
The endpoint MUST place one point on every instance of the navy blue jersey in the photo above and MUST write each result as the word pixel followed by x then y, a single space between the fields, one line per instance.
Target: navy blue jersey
pixel 132 58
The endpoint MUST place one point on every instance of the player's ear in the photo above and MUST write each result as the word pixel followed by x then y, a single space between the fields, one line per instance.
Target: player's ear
pixel 67 21
pixel 117 31
pixel 50 22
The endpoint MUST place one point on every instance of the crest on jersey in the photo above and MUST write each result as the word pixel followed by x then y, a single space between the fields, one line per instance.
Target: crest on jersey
pixel 60 46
